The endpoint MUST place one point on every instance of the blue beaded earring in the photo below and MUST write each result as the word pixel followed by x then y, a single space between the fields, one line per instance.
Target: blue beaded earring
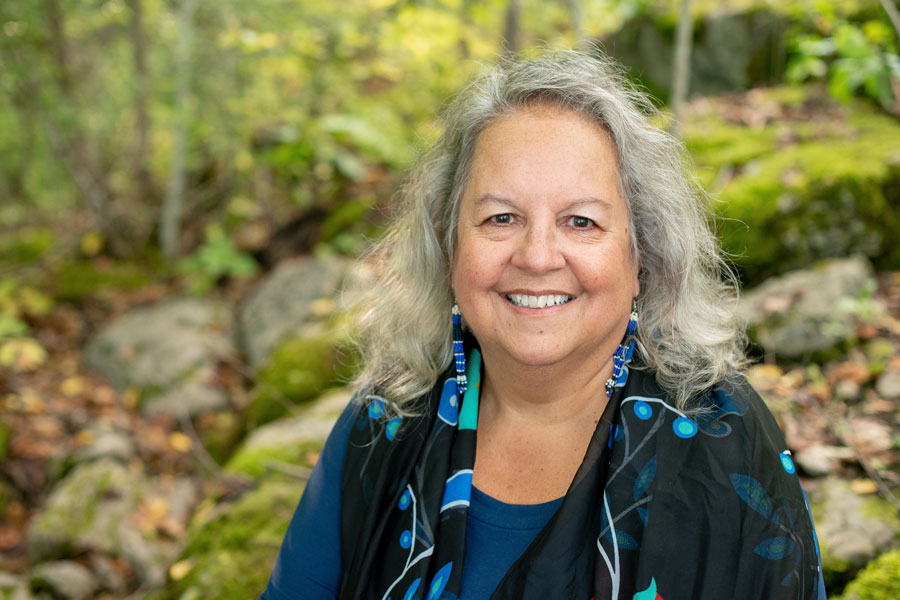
pixel 624 352
pixel 459 352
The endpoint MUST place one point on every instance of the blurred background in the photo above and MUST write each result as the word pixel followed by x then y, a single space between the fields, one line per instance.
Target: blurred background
pixel 184 185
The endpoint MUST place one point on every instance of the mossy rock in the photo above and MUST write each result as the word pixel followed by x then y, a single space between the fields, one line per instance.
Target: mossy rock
pixel 231 554
pixel 290 441
pixel 852 530
pixel 299 370
pixel 790 201
pixel 880 580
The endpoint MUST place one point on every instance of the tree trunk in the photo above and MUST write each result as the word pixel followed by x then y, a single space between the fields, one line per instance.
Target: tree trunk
pixel 681 74
pixel 173 203
pixel 141 92
pixel 512 29
pixel 578 24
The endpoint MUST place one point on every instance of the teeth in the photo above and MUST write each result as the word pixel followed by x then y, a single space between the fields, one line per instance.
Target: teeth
pixel 538 301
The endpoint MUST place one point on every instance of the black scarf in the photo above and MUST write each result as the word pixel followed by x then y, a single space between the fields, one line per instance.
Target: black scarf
pixel 662 506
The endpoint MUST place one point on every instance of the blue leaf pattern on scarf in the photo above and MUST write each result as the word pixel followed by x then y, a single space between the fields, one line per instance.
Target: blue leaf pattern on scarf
pixel 645 478
pixel 625 541
pixel 754 495
pixel 775 548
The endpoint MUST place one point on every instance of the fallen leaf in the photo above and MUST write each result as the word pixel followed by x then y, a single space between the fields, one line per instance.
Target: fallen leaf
pixel 180 569
pixel 180 442
pixel 863 486
pixel 22 355
pixel 72 386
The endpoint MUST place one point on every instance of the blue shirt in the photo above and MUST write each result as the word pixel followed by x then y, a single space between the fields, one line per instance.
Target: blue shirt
pixel 309 563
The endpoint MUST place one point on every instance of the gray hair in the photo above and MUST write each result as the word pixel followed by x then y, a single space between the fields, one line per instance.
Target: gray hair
pixel 687 333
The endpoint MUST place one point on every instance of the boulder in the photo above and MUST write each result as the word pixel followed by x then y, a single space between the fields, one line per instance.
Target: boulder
pixel 64 579
pixel 291 440
pixel 13 587
pixel 797 314
pixel 188 399
pixel 103 507
pixel 296 293
pixel 852 529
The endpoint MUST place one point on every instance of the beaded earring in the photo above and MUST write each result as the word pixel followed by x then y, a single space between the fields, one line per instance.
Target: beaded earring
pixel 459 352
pixel 624 352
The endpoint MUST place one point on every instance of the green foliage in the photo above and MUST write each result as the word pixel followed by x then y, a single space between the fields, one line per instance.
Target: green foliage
pixel 232 552
pixel 16 303
pixel 853 59
pixel 215 259
pixel 880 580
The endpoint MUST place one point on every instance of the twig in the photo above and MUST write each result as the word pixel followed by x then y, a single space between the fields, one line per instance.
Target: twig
pixel 883 488
pixel 285 468
pixel 200 451
pixel 893 14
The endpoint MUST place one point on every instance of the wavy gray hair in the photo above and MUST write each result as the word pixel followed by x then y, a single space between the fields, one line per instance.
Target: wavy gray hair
pixel 687 333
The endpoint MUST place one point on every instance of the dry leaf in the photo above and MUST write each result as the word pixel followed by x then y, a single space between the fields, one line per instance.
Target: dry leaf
pixel 180 442
pixel 180 569
pixel 863 486
pixel 72 386
pixel 22 355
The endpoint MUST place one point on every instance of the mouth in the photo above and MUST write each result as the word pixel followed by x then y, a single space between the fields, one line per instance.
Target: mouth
pixel 545 301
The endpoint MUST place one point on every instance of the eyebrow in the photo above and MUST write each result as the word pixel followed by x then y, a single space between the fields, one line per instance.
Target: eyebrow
pixel 587 201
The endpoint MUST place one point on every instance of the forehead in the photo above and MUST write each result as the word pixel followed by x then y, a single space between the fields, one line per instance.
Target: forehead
pixel 543 150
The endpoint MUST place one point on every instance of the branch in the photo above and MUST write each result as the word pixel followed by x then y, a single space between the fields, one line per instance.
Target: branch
pixel 893 14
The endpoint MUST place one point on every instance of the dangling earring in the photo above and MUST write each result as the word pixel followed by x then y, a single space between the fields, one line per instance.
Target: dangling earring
pixel 624 352
pixel 459 352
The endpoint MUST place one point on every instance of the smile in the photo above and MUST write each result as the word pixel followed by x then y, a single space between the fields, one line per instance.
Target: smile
pixel 538 301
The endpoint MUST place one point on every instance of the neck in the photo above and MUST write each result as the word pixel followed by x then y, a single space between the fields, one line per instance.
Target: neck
pixel 553 395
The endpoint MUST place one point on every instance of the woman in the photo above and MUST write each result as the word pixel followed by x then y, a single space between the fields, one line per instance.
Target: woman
pixel 559 229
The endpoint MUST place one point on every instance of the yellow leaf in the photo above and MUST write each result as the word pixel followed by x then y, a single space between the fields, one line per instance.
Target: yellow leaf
pixel 130 397
pixel 863 486
pixel 72 386
pixel 180 569
pixel 84 437
pixel 91 243
pixel 22 354
pixel 179 441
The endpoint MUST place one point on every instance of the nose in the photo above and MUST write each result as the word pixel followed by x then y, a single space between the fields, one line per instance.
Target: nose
pixel 539 249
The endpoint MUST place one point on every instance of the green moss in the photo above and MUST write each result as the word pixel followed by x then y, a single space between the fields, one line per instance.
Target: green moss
pixel 300 368
pixel 787 206
pixel 234 552
pixel 880 580
pixel 253 461
pixel 77 280
pixel 26 246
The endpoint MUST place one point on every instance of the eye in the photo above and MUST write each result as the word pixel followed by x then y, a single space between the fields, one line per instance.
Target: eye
pixel 504 219
pixel 580 222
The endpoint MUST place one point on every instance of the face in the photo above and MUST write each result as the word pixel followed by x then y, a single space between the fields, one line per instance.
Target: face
pixel 543 270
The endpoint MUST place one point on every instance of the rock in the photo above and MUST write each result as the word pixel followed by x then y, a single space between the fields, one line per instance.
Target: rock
pixel 85 511
pixel 230 552
pixel 290 440
pixel 296 293
pixel 102 507
pixel 298 370
pixel 13 587
pixel 105 442
pixel 852 530
pixel 880 580
pixel 794 315
pixel 159 346
pixel 888 385
pixel 64 579
pixel 189 399
pixel 820 460
pixel 870 435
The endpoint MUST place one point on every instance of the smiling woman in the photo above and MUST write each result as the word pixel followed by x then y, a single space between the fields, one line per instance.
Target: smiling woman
pixel 579 427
